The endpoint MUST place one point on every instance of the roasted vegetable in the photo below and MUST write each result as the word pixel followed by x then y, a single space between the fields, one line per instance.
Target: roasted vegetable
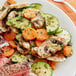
pixel 52 23
pixel 10 35
pixel 17 57
pixel 42 69
pixel 29 13
pixel 38 43
pixel 19 22
pixel 65 35
pixel 7 51
pixel 42 35
pixel 67 51
pixel 12 44
pixel 38 21
pixel 29 33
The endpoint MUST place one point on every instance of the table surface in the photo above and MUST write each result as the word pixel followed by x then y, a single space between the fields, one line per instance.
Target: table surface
pixel 66 9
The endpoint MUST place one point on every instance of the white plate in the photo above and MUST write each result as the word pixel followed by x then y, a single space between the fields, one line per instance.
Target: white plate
pixel 67 68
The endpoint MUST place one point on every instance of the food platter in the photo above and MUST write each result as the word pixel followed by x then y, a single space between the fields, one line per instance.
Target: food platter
pixel 69 66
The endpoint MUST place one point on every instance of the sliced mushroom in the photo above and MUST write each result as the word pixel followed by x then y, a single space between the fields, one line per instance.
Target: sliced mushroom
pixel 53 47
pixel 22 50
pixel 47 48
pixel 26 45
pixel 38 21
pixel 60 41
pixel 9 4
pixel 30 58
pixel 34 51
pixel 2 28
pixel 4 14
pixel 14 29
pixel 32 43
pixel 57 59
pixel 44 52
pixel 6 4
pixel 12 15
pixel 21 5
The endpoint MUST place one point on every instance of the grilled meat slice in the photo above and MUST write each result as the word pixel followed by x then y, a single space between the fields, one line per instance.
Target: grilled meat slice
pixel 4 61
pixel 14 69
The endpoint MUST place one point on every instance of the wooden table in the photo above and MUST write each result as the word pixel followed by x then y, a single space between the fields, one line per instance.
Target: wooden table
pixel 66 9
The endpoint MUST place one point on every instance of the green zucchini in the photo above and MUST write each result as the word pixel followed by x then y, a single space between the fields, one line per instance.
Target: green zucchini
pixel 42 69
pixel 18 36
pixel 19 22
pixel 65 35
pixel 52 23
pixel 59 30
pixel 36 5
pixel 16 57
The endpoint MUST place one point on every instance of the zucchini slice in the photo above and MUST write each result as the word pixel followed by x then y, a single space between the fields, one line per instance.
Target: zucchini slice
pixel 42 69
pixel 16 57
pixel 36 5
pixel 65 35
pixel 59 30
pixel 19 22
pixel 52 23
